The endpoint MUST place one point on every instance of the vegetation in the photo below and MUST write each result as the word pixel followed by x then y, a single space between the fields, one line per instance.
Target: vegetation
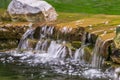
pixel 81 6
pixel 71 10
pixel 4 3
pixel 87 6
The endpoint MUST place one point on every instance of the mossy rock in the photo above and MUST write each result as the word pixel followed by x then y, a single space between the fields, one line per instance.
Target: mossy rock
pixel 117 38
pixel 32 42
pixel 5 17
pixel 116 56
pixel 117 41
pixel 69 45
pixel 8 44
pixel 76 44
pixel 17 18
pixel 87 53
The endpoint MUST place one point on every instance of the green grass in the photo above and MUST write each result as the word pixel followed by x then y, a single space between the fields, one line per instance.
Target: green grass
pixel 87 6
pixel 4 3
pixel 81 6
pixel 70 10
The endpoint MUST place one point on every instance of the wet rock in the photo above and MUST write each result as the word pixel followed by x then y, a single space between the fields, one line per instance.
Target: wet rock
pixel 116 56
pixel 32 10
pixel 5 17
pixel 32 43
pixel 87 53
pixel 36 34
pixel 76 44
pixel 11 32
pixel 10 35
pixel 117 38
pixel 8 44
pixel 75 34
pixel 116 50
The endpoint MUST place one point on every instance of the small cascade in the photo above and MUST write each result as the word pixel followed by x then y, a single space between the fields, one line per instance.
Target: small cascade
pixel 46 32
pixel 97 58
pixel 23 44
pixel 45 35
pixel 79 55
pixel 42 45
pixel 45 44
pixel 57 50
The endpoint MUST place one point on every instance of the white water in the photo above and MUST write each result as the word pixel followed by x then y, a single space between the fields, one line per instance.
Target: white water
pixel 79 55
pixel 97 59
pixel 46 31
pixel 23 44
pixel 42 45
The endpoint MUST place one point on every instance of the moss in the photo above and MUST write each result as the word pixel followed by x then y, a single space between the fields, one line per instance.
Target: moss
pixel 32 42
pixel 87 54
pixel 117 41
pixel 88 50
pixel 70 46
pixel 76 44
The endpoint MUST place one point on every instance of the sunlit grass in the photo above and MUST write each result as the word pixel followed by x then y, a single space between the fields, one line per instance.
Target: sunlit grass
pixel 87 6
pixel 72 10
pixel 4 3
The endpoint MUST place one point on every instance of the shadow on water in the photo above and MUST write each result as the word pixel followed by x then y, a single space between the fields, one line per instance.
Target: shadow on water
pixel 12 68
pixel 42 72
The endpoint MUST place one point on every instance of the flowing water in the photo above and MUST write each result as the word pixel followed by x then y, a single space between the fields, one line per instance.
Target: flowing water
pixel 51 59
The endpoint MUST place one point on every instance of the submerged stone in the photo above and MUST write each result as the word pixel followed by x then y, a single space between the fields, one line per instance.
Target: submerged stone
pixel 32 10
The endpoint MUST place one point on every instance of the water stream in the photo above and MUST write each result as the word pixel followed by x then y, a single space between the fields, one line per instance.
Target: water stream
pixel 52 59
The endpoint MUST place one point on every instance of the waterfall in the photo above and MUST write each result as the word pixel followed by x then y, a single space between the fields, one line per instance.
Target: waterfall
pixel 45 34
pixel 79 55
pixel 45 44
pixel 46 31
pixel 60 56
pixel 57 50
pixel 97 59
pixel 42 45
pixel 23 44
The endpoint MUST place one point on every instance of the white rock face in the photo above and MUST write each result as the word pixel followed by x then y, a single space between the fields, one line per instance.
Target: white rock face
pixel 25 7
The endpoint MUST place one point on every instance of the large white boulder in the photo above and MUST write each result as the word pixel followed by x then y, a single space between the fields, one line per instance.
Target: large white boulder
pixel 32 10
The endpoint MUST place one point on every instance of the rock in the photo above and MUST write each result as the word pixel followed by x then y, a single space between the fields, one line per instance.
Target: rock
pixel 116 50
pixel 87 54
pixel 32 43
pixel 8 44
pixel 116 56
pixel 32 10
pixel 117 38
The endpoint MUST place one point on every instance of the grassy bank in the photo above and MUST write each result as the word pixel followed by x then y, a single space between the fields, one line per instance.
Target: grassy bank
pixel 71 10
pixel 4 3
pixel 87 6
pixel 81 6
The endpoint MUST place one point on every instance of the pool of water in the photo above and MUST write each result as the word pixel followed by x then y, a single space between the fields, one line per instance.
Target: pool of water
pixel 15 72
pixel 24 68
